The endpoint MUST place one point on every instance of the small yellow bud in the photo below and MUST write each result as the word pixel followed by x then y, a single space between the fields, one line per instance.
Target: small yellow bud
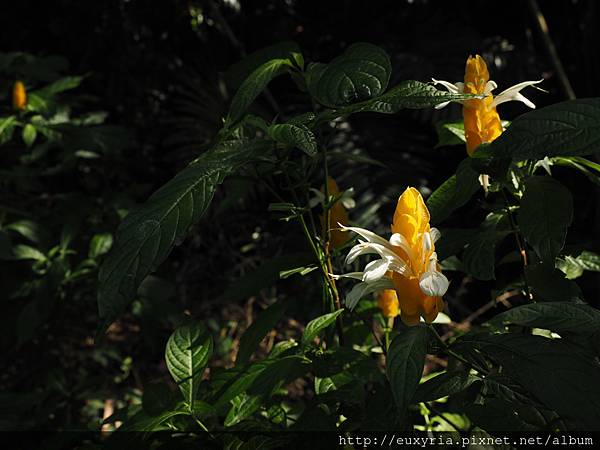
pixel 337 214
pixel 19 96
pixel 388 303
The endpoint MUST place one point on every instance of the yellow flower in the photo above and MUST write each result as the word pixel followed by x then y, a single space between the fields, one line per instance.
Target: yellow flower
pixel 19 96
pixel 408 263
pixel 337 214
pixel 482 122
pixel 387 300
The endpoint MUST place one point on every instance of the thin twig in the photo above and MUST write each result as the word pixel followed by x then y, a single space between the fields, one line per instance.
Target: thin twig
pixel 522 251
pixel 542 27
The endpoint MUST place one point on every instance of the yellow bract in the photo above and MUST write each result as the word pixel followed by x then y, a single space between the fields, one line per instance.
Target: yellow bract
pixel 337 215
pixel 388 303
pixel 411 219
pixel 19 96
pixel 482 122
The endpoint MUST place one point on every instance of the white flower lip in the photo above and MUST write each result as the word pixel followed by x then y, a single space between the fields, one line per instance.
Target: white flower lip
pixel 513 93
pixel 375 275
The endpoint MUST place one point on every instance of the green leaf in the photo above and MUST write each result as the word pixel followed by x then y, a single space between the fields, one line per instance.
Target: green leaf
pixel 7 126
pixel 405 361
pixel 574 267
pixel 409 94
pixel 450 133
pixel 560 317
pixel 265 275
pixel 443 385
pixel 148 233
pixel 479 255
pixel 269 380
pixel 453 133
pixel 143 422
pixel 568 128
pixel 361 72
pixel 100 245
pixel 545 214
pixel 317 325
pixel 61 85
pixel 188 350
pixel 552 370
pixel 453 193
pixel 31 230
pixel 239 71
pixel 499 415
pixel 255 333
pixel 29 134
pixel 294 136
pixel 589 168
pixel 253 86
pixel 549 284
pixel 26 252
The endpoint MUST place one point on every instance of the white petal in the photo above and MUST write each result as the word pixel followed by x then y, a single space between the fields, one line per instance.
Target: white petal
pixel 513 93
pixel 396 263
pixel 360 290
pixel 433 283
pixel 435 234
pixel 398 240
pixel 451 87
pixel 427 243
pixel 433 262
pixel 489 87
pixel 375 270
pixel 348 202
pixel 454 88
pixel 353 275
pixel 363 248
pixel 366 234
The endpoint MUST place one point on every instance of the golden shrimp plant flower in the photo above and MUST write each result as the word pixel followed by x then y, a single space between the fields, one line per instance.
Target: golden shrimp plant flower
pixel 19 96
pixel 482 122
pixel 408 263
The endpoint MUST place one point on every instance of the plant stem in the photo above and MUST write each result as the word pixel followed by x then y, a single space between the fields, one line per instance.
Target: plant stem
pixel 452 353
pixel 324 261
pixel 327 246
pixel 520 245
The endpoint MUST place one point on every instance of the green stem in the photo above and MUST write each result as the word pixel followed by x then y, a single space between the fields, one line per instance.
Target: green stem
pixel 452 353
pixel 521 247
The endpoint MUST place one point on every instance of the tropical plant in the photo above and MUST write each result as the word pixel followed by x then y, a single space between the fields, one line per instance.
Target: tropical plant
pixel 533 358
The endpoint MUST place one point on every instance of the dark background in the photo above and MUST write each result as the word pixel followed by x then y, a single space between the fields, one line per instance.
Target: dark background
pixel 159 69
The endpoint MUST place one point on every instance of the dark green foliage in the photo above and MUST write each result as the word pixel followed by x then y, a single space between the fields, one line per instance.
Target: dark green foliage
pixel 218 297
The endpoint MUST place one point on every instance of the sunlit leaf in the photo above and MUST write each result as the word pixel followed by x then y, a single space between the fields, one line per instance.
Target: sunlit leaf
pixel 188 350
pixel 560 317
pixel 315 326
pixel 568 128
